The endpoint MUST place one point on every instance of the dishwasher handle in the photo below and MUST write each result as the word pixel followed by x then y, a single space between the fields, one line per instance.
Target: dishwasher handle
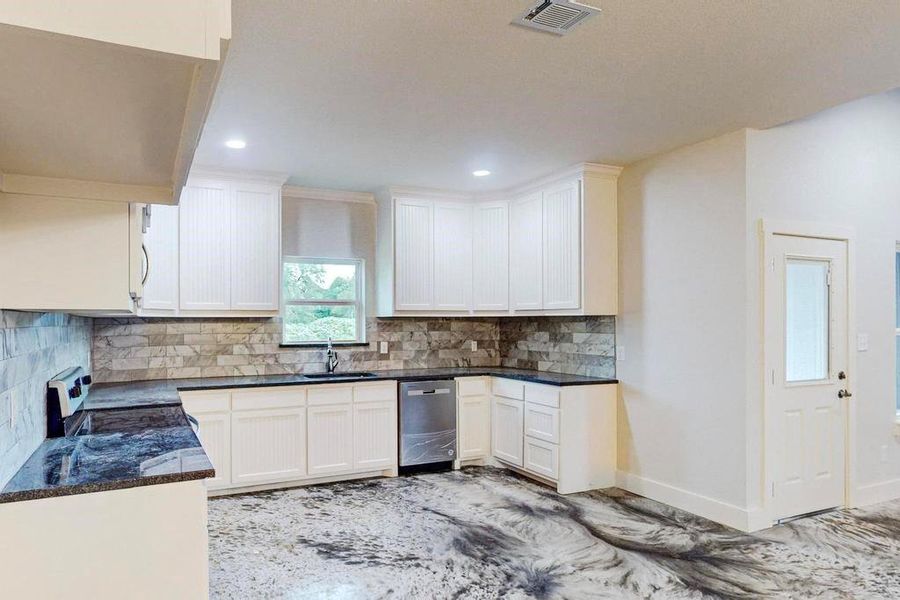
pixel 437 392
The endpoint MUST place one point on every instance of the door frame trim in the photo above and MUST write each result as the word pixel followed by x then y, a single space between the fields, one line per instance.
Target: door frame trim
pixel 768 228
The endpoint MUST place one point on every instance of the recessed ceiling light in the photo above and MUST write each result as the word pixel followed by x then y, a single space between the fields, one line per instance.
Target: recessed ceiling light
pixel 236 144
pixel 481 173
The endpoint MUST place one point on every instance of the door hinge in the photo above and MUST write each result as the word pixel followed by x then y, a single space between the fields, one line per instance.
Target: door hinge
pixel 773 376
pixel 772 264
pixel 828 277
pixel 773 489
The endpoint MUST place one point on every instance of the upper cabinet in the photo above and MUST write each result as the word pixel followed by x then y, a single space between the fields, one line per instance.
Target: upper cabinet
pixel 218 252
pixel 137 77
pixel 546 248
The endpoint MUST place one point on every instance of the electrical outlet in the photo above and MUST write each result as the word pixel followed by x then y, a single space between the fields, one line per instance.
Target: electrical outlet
pixel 862 342
pixel 620 353
pixel 474 345
pixel 383 347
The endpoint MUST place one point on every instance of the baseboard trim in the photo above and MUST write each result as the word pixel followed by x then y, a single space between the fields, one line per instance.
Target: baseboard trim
pixel 877 492
pixel 702 506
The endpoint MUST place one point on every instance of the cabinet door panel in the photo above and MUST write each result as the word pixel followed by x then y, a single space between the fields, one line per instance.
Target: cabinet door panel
pixel 268 445
pixel 205 247
pixel 526 253
pixel 507 430
pixel 474 427
pixel 413 259
pixel 491 257
pixel 215 437
pixel 374 435
pixel 256 247
pixel 329 439
pixel 161 244
pixel 452 256
pixel 562 246
pixel 542 458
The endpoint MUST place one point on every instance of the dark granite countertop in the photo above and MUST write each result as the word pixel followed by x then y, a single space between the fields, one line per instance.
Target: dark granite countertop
pixel 125 448
pixel 165 391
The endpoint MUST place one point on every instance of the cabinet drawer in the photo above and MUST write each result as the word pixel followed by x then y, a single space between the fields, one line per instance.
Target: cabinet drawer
pixel 196 403
pixel 375 392
pixel 542 422
pixel 471 386
pixel 542 458
pixel 329 394
pixel 268 398
pixel 547 395
pixel 509 388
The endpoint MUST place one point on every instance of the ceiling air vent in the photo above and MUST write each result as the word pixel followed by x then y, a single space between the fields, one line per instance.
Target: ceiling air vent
pixel 556 16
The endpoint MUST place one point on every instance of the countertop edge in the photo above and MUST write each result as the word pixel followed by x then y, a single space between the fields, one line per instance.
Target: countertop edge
pixel 89 488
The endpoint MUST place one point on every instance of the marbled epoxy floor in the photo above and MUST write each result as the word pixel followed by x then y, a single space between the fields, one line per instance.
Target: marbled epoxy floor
pixel 487 533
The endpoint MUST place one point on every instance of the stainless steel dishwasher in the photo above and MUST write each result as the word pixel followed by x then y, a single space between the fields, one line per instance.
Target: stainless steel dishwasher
pixel 427 423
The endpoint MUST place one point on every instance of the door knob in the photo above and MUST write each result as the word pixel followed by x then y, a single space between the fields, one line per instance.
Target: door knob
pixel 844 394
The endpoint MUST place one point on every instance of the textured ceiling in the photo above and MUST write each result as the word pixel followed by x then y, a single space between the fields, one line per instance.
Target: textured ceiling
pixel 359 94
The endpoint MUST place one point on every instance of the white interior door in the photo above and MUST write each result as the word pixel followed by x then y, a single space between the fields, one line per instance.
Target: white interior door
pixel 806 348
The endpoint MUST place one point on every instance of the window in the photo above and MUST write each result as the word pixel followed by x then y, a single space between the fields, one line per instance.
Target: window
pixel 897 323
pixel 322 299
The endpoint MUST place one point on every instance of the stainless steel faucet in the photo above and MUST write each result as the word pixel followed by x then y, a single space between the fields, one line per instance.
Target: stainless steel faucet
pixel 331 359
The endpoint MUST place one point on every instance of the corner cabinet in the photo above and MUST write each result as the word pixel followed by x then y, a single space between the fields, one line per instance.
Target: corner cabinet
pixel 217 253
pixel 564 436
pixel 546 248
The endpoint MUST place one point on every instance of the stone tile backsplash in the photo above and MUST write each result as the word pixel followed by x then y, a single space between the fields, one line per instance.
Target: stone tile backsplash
pixel 126 349
pixel 33 348
pixel 577 345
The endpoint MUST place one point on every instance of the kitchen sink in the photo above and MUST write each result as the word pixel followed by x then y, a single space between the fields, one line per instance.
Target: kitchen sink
pixel 340 375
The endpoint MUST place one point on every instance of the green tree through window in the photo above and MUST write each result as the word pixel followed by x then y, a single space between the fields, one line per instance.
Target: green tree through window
pixel 322 300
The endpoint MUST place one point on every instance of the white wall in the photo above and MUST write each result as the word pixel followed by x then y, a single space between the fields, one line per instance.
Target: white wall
pixel 690 294
pixel 682 322
pixel 842 167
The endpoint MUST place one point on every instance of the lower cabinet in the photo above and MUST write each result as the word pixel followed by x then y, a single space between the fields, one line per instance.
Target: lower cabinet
pixel 268 445
pixel 373 447
pixel 473 418
pixel 561 435
pixel 284 434
pixel 215 436
pixel 507 430
pixel 330 441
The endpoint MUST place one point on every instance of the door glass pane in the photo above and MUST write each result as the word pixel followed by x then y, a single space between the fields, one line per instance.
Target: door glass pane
pixel 806 320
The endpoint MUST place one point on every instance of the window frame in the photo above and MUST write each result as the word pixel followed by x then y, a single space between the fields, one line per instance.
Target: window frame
pixel 358 302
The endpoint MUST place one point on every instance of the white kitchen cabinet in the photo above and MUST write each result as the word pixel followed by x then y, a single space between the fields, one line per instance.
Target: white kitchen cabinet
pixel 474 419
pixel 566 436
pixel 526 269
pixel 413 257
pixel 452 248
pixel 374 435
pixel 60 254
pixel 268 445
pixel 548 247
pixel 256 246
pixel 490 264
pixel 330 439
pixel 218 253
pixel 161 261
pixel 541 458
pixel 562 246
pixel 206 213
pixel 507 434
pixel 215 436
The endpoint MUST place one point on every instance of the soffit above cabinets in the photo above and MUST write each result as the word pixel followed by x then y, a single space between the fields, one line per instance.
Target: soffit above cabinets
pixel 89 119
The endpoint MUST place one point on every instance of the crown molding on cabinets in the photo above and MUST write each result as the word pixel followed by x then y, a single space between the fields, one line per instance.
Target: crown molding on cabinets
pixel 578 170
pixel 428 194
pixel 76 189
pixel 296 191
pixel 271 177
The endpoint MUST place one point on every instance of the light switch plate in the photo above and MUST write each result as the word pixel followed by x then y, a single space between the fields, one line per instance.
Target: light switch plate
pixel 383 347
pixel 620 353
pixel 862 342
pixel 474 345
